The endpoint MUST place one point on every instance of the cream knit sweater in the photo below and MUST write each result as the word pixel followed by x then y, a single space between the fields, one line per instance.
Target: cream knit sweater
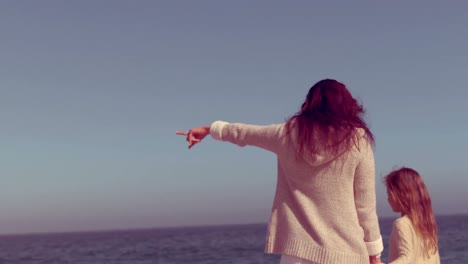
pixel 324 208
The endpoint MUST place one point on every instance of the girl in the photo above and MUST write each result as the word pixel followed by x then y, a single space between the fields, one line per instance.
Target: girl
pixel 324 210
pixel 414 235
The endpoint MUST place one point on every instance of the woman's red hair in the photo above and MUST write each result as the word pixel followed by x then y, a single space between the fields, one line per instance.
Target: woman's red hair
pixel 328 120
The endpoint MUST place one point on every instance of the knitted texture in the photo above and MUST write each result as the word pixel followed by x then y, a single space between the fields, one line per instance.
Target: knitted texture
pixel 324 209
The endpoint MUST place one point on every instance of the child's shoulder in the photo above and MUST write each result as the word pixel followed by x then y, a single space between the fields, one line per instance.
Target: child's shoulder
pixel 402 222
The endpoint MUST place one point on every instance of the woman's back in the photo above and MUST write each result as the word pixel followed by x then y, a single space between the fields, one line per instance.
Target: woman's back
pixel 327 202
pixel 324 205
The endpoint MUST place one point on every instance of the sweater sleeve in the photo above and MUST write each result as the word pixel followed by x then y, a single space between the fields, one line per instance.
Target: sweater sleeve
pixel 265 137
pixel 365 200
pixel 403 234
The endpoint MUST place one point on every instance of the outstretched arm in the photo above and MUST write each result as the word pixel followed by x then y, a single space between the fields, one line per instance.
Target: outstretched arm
pixel 266 137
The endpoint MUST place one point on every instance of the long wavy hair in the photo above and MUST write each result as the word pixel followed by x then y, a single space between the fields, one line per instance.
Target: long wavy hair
pixel 408 193
pixel 328 120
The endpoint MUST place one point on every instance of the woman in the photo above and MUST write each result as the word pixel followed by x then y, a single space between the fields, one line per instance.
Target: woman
pixel 324 210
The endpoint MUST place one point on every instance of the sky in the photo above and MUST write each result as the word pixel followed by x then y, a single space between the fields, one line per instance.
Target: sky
pixel 92 92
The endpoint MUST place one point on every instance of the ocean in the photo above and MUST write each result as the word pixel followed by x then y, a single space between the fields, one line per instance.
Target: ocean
pixel 230 244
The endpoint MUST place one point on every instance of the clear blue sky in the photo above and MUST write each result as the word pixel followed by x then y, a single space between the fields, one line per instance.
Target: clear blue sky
pixel 92 93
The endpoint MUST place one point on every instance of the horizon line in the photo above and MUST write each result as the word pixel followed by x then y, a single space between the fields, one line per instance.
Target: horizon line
pixel 133 229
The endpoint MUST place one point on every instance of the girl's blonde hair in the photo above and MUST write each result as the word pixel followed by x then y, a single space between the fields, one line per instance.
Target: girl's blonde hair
pixel 408 191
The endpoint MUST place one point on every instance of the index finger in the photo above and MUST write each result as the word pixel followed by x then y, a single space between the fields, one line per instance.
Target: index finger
pixel 182 133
